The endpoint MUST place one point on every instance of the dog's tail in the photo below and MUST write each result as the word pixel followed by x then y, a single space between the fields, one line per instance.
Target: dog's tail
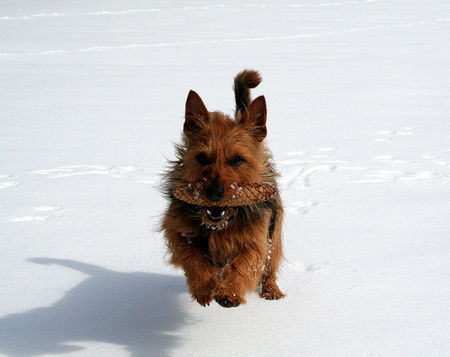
pixel 242 83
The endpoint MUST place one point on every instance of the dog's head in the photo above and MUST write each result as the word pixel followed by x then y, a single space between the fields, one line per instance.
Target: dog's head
pixel 220 152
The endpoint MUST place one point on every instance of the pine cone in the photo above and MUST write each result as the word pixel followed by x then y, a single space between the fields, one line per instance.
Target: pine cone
pixel 237 195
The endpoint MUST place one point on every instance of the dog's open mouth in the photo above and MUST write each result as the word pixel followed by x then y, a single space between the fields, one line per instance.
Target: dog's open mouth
pixel 216 217
pixel 216 214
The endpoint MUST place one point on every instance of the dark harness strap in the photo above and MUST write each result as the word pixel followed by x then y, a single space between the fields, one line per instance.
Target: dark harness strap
pixel 273 218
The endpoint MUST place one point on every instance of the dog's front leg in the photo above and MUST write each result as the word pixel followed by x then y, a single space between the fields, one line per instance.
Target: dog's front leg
pixel 197 269
pixel 199 277
pixel 236 278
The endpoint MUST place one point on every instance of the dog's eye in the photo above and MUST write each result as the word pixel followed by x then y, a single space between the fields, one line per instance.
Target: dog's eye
pixel 203 159
pixel 237 161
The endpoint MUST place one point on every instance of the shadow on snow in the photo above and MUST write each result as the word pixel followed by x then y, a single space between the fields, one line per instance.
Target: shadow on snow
pixel 136 310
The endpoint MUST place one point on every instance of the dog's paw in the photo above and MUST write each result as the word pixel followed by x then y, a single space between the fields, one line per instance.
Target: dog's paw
pixel 203 296
pixel 227 301
pixel 203 293
pixel 204 300
pixel 271 292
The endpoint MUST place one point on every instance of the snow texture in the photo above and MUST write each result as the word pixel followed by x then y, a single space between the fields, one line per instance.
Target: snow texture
pixel 92 98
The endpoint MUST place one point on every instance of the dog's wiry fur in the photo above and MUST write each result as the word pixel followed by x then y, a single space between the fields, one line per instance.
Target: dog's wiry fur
pixel 224 259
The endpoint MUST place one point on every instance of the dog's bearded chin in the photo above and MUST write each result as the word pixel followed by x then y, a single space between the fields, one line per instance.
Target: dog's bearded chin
pixel 215 218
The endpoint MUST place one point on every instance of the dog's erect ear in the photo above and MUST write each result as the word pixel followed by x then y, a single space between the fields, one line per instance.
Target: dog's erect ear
pixel 196 113
pixel 255 118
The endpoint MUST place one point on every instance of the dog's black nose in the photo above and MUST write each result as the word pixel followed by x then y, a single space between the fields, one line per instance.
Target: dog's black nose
pixel 215 191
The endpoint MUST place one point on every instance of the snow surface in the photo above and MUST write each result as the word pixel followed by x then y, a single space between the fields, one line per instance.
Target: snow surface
pixel 92 97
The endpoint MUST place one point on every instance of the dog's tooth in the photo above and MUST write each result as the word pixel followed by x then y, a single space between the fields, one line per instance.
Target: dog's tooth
pixel 209 212
pixel 222 213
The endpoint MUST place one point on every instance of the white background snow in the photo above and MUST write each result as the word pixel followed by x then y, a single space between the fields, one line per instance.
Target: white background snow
pixel 92 98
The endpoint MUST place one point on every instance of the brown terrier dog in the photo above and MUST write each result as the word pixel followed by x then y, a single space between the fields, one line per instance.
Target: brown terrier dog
pixel 225 251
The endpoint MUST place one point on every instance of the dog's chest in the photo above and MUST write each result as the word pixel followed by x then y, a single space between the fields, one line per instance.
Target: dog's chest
pixel 219 247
